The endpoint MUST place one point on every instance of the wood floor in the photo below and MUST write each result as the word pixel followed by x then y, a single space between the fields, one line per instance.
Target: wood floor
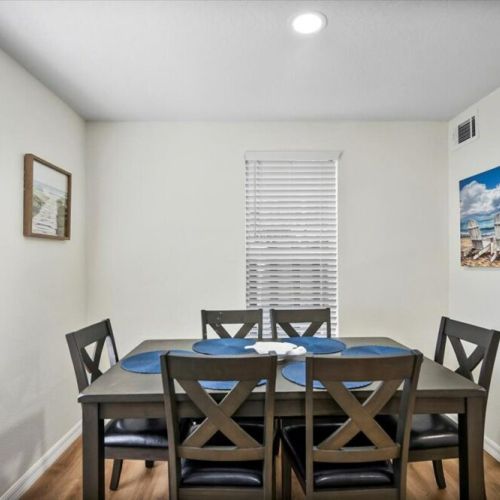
pixel 63 480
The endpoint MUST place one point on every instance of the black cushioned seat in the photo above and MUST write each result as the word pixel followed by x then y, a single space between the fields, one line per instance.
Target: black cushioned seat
pixel 427 431
pixel 136 432
pixel 214 473
pixel 334 475
pixel 200 473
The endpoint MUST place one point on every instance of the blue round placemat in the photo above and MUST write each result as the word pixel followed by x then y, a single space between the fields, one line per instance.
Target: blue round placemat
pixel 223 346
pixel 375 350
pixel 318 345
pixel 296 372
pixel 147 362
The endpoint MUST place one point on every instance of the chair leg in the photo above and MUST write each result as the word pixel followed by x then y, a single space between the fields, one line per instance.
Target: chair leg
pixel 115 475
pixel 439 474
pixel 286 476
pixel 150 464
pixel 274 479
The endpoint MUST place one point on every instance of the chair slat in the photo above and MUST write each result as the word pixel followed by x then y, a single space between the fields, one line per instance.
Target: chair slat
pixel 315 317
pixel 470 333
pixel 220 453
pixel 248 318
pixel 358 455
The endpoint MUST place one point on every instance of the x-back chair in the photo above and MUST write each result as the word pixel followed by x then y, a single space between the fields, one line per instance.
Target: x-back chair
pixel 248 318
pixel 284 318
pixel 222 457
pixel 433 436
pixel 355 458
pixel 124 439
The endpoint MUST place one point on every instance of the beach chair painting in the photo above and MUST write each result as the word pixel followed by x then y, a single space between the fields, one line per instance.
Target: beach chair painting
pixel 480 245
pixel 480 219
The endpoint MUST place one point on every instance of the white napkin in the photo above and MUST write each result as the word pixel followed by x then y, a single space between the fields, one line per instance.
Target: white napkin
pixel 280 348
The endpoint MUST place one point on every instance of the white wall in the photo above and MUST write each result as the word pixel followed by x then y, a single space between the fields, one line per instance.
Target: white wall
pixel 166 223
pixel 475 293
pixel 42 292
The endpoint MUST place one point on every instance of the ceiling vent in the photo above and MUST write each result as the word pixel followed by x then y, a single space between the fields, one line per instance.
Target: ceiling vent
pixel 464 130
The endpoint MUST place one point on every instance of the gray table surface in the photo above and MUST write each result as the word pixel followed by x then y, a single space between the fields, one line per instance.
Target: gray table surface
pixel 119 385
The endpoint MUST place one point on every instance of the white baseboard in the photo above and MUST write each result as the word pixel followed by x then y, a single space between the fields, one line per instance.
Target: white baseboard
pixel 23 484
pixel 492 448
pixel 489 445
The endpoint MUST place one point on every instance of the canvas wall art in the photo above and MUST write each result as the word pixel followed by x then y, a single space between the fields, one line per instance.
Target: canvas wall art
pixel 480 219
pixel 47 199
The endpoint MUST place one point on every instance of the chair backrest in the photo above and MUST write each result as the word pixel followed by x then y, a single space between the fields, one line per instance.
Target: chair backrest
pixel 377 445
pixel 85 364
pixel 218 417
pixel 315 317
pixel 485 352
pixel 475 234
pixel 248 318
pixel 497 229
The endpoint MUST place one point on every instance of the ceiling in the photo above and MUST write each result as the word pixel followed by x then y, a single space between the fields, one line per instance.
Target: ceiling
pixel 240 60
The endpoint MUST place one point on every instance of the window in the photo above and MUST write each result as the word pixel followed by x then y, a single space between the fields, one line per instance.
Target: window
pixel 291 231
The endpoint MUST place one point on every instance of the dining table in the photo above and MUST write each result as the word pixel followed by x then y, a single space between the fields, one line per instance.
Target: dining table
pixel 119 393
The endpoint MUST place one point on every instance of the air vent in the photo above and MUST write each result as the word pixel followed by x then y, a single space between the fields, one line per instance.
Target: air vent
pixel 466 130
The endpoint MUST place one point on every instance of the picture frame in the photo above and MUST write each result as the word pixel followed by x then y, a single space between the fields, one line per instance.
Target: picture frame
pixel 47 200
pixel 480 219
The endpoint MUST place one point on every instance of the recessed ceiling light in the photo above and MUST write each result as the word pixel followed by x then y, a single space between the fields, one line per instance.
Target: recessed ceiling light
pixel 309 23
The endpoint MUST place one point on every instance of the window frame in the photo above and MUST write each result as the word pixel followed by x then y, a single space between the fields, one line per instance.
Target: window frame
pixel 297 156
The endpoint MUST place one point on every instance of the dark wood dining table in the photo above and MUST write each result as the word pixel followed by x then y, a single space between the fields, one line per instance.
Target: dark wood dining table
pixel 122 394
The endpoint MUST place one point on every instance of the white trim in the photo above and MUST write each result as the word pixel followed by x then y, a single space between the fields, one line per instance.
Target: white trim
pixel 492 448
pixel 293 155
pixel 24 483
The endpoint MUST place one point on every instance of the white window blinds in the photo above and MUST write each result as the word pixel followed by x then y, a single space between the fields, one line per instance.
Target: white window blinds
pixel 291 231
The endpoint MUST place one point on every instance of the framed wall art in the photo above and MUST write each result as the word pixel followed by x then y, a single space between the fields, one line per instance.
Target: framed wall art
pixel 480 219
pixel 47 199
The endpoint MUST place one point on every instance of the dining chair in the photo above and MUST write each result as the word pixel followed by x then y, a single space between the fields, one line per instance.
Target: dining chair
pixel 124 438
pixel 355 458
pixel 221 457
pixel 435 437
pixel 315 317
pixel 248 318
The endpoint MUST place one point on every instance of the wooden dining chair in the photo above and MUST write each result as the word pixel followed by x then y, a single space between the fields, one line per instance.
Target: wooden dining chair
pixel 222 457
pixel 354 458
pixel 315 317
pixel 433 436
pixel 125 438
pixel 248 318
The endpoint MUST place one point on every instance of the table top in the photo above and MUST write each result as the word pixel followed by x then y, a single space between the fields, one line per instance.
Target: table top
pixel 120 386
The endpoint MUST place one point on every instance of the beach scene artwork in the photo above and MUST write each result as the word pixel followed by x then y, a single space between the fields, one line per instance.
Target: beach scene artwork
pixel 50 201
pixel 480 219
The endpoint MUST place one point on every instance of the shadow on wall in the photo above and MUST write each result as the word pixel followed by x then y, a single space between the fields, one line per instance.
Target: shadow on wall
pixel 21 446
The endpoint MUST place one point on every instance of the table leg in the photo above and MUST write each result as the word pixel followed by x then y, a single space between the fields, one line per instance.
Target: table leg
pixel 471 432
pixel 93 452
